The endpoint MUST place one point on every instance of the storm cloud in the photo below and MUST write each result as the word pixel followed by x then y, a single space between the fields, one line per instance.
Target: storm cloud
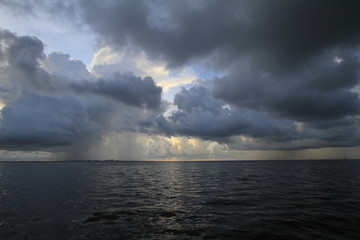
pixel 128 89
pixel 277 34
pixel 289 72
pixel 298 60
pixel 257 129
pixel 41 104
pixel 35 122
pixel 320 90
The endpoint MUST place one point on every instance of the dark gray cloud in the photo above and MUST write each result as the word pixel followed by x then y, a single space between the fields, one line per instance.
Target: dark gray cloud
pixel 195 117
pixel 125 88
pixel 206 125
pixel 320 90
pixel 277 34
pixel 22 56
pixel 292 68
pixel 266 130
pixel 293 60
pixel 197 97
pixel 35 122
pixel 41 107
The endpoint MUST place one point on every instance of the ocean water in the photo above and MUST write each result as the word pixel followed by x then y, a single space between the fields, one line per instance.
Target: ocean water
pixel 180 200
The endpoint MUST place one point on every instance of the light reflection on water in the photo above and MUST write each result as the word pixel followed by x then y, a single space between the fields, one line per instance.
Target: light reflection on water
pixel 180 200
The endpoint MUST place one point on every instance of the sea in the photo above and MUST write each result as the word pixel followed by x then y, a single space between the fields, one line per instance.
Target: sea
pixel 312 199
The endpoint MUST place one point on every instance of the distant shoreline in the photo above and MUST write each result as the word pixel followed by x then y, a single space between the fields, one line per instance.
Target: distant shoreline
pixel 168 160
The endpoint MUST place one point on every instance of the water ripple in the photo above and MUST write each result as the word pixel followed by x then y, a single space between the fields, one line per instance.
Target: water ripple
pixel 180 200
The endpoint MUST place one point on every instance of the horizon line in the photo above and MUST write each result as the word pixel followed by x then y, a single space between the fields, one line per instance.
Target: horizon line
pixel 177 160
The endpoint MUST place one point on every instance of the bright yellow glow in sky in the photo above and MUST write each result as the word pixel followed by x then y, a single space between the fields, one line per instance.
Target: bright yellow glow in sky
pixel 176 143
pixel 141 65
pixel 2 105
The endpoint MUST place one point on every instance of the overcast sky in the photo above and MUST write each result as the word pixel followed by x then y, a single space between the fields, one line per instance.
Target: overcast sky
pixel 196 79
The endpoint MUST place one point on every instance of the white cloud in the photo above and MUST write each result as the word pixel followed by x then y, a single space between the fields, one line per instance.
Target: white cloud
pixel 107 61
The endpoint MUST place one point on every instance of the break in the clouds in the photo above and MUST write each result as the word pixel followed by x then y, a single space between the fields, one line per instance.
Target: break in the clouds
pixel 289 75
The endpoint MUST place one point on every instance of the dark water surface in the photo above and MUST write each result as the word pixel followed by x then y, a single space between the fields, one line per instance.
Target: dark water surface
pixel 180 200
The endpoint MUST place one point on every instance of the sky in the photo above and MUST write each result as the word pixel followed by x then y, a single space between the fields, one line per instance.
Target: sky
pixel 182 79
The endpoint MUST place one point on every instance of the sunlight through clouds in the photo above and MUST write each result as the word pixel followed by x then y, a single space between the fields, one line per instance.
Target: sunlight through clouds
pixel 138 63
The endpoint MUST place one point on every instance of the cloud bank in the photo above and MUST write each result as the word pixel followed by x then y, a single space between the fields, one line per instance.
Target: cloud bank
pixel 55 101
pixel 290 75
